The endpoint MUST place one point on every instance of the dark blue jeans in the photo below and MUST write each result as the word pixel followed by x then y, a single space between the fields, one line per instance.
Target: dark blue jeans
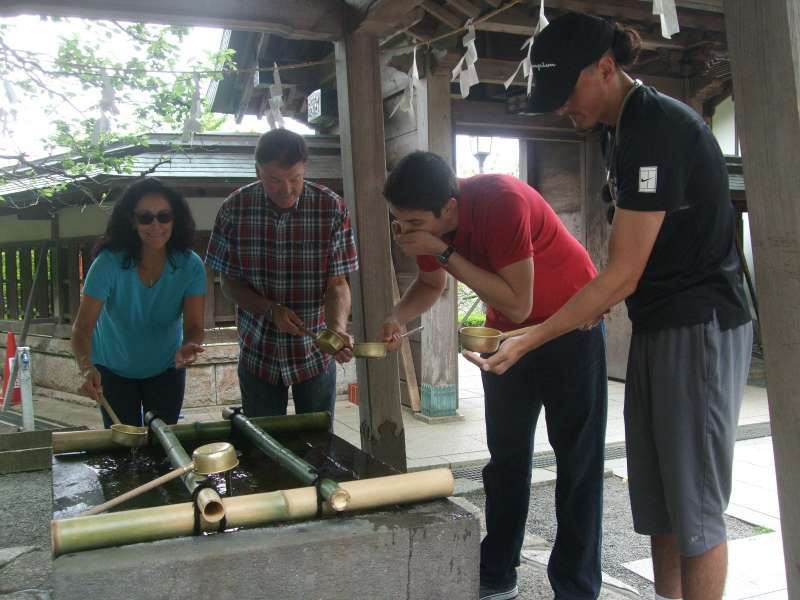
pixel 568 377
pixel 263 399
pixel 162 394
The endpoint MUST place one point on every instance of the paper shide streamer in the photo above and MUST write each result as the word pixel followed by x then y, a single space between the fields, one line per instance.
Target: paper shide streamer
pixel 407 100
pixel 525 63
pixel 465 71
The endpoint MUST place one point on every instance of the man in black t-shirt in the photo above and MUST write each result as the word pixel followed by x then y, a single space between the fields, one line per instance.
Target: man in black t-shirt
pixel 672 257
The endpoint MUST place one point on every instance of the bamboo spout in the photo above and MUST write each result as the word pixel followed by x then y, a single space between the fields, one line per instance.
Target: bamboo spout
pixel 208 501
pixel 337 497
pixel 77 534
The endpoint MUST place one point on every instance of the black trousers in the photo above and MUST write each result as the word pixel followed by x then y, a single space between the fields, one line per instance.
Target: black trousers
pixel 568 377
pixel 131 398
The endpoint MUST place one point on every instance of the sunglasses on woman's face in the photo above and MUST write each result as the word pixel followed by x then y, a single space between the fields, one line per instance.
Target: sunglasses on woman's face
pixel 146 217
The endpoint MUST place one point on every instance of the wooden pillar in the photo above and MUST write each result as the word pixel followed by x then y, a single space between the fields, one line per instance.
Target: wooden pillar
pixel 363 173
pixel 764 42
pixel 56 269
pixel 439 376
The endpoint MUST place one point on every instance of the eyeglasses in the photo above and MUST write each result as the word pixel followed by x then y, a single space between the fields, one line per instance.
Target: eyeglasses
pixel 146 217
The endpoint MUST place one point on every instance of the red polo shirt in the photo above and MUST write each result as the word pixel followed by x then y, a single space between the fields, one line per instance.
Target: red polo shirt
pixel 502 220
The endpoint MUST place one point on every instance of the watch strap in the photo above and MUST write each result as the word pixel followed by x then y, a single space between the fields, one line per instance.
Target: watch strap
pixel 444 257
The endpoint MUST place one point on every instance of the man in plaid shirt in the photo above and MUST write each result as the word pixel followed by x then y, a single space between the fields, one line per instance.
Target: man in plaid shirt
pixel 284 248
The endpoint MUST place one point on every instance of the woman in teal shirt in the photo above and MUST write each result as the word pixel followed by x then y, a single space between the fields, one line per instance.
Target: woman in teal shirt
pixel 140 320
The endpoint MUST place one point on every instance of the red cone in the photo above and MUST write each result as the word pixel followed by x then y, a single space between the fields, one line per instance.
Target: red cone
pixel 11 352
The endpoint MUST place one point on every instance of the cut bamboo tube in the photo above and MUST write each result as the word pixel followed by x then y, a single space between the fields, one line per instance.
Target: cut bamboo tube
pixel 93 441
pixel 78 534
pixel 300 469
pixel 208 501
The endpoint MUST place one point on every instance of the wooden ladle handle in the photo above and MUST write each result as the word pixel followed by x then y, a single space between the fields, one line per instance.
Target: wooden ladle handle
pixel 101 400
pixel 174 474
pixel 407 333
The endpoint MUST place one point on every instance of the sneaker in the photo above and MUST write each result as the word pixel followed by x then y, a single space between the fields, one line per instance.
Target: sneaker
pixel 499 593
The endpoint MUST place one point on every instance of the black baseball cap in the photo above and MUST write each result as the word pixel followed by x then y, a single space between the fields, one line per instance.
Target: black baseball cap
pixel 560 52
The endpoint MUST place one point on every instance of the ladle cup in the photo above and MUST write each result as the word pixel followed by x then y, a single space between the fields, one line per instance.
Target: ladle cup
pixel 486 339
pixel 218 457
pixel 129 436
pixel 328 340
pixel 376 349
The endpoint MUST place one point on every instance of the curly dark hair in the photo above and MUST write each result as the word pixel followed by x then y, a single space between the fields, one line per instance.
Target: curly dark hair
pixel 626 46
pixel 121 236
pixel 421 181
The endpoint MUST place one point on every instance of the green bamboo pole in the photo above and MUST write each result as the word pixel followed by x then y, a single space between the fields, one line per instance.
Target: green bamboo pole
pixel 208 500
pixel 99 440
pixel 77 534
pixel 303 471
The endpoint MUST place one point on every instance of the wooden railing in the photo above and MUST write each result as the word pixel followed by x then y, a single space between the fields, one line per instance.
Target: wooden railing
pixel 58 294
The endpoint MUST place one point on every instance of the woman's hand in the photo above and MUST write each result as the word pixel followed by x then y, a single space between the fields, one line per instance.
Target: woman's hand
pixel 510 351
pixel 92 385
pixel 187 354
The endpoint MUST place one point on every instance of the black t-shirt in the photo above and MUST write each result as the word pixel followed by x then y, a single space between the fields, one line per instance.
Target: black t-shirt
pixel 665 158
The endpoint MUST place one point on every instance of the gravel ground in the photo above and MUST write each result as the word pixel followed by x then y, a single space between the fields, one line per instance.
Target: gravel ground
pixel 620 543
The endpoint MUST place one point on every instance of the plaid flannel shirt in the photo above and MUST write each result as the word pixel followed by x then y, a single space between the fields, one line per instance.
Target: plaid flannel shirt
pixel 288 258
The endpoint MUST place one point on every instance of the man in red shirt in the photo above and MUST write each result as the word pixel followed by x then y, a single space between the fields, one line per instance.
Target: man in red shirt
pixel 501 238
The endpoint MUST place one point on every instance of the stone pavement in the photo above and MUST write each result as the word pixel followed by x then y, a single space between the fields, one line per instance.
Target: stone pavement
pixel 756 563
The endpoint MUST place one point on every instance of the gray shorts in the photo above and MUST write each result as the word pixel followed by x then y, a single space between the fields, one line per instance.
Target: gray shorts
pixel 682 398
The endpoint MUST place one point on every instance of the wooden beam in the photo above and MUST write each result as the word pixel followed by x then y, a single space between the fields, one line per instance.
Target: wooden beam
pixel 403 24
pixel 636 10
pixel 473 114
pixel 518 21
pixel 363 174
pixel 465 7
pixel 764 42
pixel 386 17
pixel 303 19
pixel 407 370
pixel 445 15
pixel 439 347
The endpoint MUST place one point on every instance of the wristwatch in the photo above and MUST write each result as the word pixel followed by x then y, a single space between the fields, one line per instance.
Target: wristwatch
pixel 270 310
pixel 445 256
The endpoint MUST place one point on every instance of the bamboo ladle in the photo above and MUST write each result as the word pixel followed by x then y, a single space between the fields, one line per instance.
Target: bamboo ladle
pixel 328 340
pixel 129 436
pixel 486 339
pixel 377 349
pixel 217 457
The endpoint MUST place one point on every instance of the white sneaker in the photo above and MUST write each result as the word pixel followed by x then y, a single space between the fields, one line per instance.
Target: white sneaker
pixel 493 593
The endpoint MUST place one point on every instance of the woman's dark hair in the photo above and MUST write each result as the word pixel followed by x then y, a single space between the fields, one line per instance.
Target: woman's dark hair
pixel 421 181
pixel 626 46
pixel 286 147
pixel 121 235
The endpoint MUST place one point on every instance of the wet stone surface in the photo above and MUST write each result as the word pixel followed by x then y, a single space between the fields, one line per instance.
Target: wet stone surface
pixel 82 480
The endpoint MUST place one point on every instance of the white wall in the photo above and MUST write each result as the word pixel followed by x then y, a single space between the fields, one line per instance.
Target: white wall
pixel 204 211
pixel 14 230
pixel 723 125
pixel 88 221
pixel 91 221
